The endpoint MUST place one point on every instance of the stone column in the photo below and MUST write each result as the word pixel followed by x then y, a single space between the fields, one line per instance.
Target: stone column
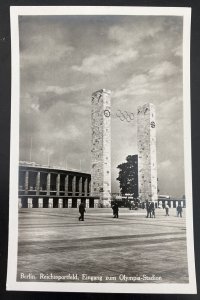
pixel 26 182
pixel 101 146
pixel 40 202
pixel 30 202
pixel 19 203
pixel 60 203
pixel 69 203
pixel 80 186
pixel 147 163
pixel 78 202
pixel 89 190
pixel 48 183
pixel 50 203
pixel 74 186
pixel 86 187
pixel 58 185
pixel 87 203
pixel 66 185
pixel 38 183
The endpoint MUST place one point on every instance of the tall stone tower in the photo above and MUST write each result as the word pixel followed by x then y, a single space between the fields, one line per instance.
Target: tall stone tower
pixel 101 147
pixel 147 164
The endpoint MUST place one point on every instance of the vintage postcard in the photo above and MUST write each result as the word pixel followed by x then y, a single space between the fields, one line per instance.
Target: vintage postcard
pixel 100 172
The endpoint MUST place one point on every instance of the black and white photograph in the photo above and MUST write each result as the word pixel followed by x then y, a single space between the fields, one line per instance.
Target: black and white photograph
pixel 100 173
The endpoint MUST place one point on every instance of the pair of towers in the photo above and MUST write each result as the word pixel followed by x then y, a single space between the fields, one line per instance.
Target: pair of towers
pixel 101 149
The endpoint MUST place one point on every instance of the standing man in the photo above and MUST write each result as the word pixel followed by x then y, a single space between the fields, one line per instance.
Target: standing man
pixel 179 211
pixel 115 210
pixel 148 208
pixel 81 211
pixel 152 209
pixel 167 209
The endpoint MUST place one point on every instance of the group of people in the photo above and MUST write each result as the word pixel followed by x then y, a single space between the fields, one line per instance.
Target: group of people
pixel 82 211
pixel 150 207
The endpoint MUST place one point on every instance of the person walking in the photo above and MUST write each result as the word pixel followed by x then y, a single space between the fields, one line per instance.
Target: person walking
pixel 148 208
pixel 152 209
pixel 81 211
pixel 179 211
pixel 115 208
pixel 167 209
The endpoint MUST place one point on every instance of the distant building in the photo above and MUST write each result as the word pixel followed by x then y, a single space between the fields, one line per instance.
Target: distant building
pixel 172 202
pixel 43 186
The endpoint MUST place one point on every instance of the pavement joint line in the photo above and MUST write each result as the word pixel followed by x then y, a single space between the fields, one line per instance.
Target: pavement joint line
pixel 101 246
pixel 95 225
pixel 132 236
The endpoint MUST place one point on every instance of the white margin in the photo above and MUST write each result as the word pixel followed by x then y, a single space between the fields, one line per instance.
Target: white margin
pixel 12 284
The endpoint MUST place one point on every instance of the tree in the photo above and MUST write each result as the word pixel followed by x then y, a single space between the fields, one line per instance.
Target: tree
pixel 128 176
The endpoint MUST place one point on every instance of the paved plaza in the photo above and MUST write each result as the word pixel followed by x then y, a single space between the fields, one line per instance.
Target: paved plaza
pixel 53 243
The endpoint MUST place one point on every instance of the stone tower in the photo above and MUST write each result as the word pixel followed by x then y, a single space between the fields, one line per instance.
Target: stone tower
pixel 101 147
pixel 147 164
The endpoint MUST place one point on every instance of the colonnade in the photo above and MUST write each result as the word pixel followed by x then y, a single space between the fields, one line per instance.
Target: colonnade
pixel 55 184
pixel 35 202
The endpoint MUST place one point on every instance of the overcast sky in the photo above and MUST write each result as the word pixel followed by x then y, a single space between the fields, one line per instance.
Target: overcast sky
pixel 64 59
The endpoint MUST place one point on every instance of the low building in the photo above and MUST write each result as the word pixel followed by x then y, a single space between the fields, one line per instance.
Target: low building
pixel 43 186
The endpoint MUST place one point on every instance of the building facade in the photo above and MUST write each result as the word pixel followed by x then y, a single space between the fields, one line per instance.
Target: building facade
pixel 42 186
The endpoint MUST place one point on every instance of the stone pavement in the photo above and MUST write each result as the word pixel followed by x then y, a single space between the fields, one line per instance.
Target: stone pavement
pixel 55 246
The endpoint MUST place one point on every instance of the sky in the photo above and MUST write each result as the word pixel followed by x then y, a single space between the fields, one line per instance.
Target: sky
pixel 64 59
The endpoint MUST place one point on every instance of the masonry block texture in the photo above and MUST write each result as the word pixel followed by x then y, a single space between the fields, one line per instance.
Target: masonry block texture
pixel 147 163
pixel 101 147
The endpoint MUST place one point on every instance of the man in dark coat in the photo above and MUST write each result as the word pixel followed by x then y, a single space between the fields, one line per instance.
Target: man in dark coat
pixel 152 210
pixel 81 211
pixel 115 210
pixel 148 208
pixel 179 211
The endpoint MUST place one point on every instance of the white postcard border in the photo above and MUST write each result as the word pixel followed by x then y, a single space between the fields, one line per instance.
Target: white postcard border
pixel 12 284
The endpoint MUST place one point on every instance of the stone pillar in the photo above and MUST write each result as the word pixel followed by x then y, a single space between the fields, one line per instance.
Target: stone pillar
pixel 19 203
pixel 74 186
pixel 147 163
pixel 48 183
pixel 60 203
pixel 101 147
pixel 96 203
pixel 30 202
pixel 40 202
pixel 69 203
pixel 66 185
pixel 87 204
pixel 38 183
pixel 86 187
pixel 50 204
pixel 78 202
pixel 26 182
pixel 89 188
pixel 80 186
pixel 58 185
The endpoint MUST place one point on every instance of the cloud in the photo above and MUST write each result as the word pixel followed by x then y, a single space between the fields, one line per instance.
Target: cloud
pixel 99 64
pixel 137 85
pixel 137 33
pixel 163 69
pixel 43 49
pixel 64 90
